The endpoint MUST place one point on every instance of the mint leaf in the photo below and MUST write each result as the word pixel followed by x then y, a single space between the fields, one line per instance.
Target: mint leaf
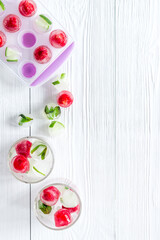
pixel 56 82
pixel 57 111
pixel 43 153
pixel 52 124
pixel 52 112
pixel 24 119
pixel 44 208
pixel 35 149
pixel 63 75
pixel 66 188
pixel 46 110
pixel 38 171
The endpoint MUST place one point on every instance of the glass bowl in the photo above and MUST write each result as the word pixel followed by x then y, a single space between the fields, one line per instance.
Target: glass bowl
pixel 57 206
pixel 30 160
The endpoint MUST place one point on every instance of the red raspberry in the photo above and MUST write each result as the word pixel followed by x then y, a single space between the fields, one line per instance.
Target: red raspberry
pixel 50 196
pixel 3 39
pixel 65 99
pixel 12 23
pixel 23 148
pixel 58 38
pixel 42 54
pixel 27 8
pixel 62 218
pixel 20 164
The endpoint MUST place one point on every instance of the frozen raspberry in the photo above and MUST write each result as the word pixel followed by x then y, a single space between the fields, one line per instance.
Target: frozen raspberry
pixel 23 148
pixel 65 99
pixel 20 164
pixel 3 39
pixel 72 210
pixel 50 196
pixel 62 218
pixel 12 23
pixel 42 54
pixel 27 8
pixel 58 38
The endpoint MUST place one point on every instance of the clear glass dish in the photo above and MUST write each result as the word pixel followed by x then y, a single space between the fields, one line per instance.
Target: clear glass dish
pixel 58 206
pixel 30 160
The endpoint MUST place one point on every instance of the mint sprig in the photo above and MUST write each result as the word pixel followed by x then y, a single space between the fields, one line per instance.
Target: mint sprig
pixel 24 119
pixel 38 171
pixel 43 153
pixel 44 208
pixel 52 112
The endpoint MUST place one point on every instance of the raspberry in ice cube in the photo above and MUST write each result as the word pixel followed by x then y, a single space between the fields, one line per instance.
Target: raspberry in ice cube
pixel 65 99
pixel 62 218
pixel 58 38
pixel 27 8
pixel 50 196
pixel 72 210
pixel 42 54
pixel 23 148
pixel 3 39
pixel 20 164
pixel 12 23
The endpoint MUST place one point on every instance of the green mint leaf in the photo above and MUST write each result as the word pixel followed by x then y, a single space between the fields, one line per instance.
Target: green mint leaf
pixel 52 124
pixel 63 75
pixel 43 153
pixel 24 119
pixel 52 112
pixel 57 111
pixel 35 149
pixel 66 188
pixel 46 110
pixel 56 82
pixel 44 208
pixel 38 171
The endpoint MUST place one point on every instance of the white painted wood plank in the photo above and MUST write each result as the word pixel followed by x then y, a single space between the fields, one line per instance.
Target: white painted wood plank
pixel 137 120
pixel 88 155
pixel 14 195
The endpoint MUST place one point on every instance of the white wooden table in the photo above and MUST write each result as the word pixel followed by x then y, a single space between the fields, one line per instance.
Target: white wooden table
pixel 111 149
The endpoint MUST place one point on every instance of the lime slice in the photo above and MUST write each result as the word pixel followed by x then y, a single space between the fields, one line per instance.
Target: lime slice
pixel 11 52
pixel 42 25
pixel 46 19
pixel 56 128
pixel 57 125
pixel 2 7
pixel 12 55
pixel 12 60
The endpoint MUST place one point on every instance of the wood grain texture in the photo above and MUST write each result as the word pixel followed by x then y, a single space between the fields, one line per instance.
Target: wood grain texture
pixel 86 155
pixel 137 119
pixel 111 147
pixel 14 207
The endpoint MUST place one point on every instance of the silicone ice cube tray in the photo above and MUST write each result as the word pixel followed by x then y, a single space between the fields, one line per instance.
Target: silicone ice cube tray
pixel 43 72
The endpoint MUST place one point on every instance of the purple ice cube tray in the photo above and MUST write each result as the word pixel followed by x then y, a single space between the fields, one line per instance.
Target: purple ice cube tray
pixel 40 73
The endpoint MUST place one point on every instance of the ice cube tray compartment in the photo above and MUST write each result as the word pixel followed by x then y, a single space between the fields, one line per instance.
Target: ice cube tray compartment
pixel 59 55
